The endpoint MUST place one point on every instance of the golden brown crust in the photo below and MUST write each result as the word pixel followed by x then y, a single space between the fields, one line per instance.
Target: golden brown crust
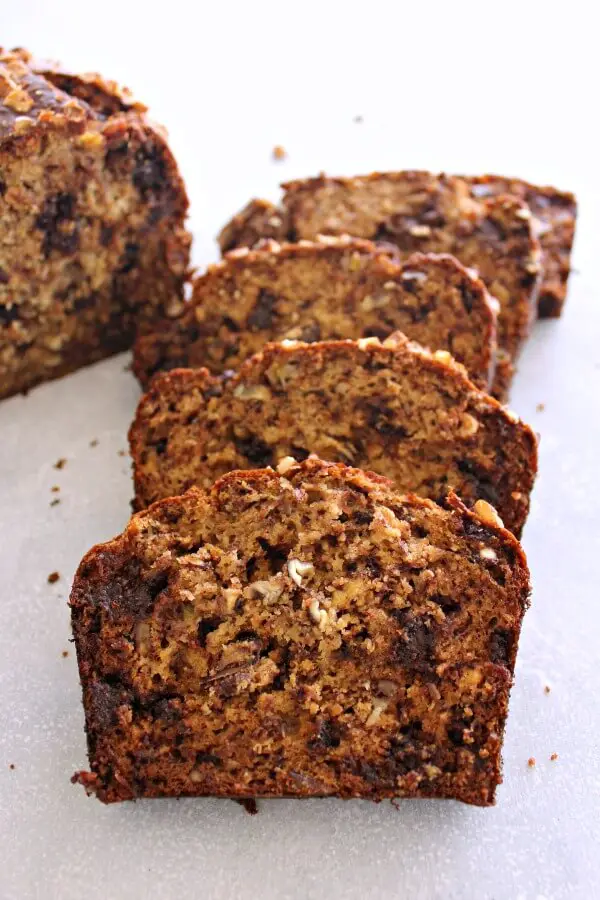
pixel 92 238
pixel 316 634
pixel 392 408
pixel 416 210
pixel 333 289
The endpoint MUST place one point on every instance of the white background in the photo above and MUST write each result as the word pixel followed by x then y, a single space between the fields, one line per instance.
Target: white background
pixel 505 87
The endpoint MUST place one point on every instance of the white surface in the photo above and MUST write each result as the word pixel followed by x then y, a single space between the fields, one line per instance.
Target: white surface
pixel 508 88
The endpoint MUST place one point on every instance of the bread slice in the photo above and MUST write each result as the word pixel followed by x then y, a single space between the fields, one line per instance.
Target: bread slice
pixel 554 216
pixel 336 288
pixel 308 635
pixel 92 210
pixel 392 408
pixel 417 211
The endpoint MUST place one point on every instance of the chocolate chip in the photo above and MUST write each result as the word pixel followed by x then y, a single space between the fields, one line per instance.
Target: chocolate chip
pixel 414 647
pixel 106 234
pixel 468 297
pixel 500 646
pixel 379 418
pixel 149 173
pixel 8 314
pixel 130 258
pixel 328 735
pixel 448 604
pixel 208 759
pixel 2 187
pixel 362 517
pixel 255 450
pixel 58 209
pixel 276 555
pixel 160 446
pixel 4 278
pixel 206 626
pixel 479 478
pixel 311 333
pixel 263 313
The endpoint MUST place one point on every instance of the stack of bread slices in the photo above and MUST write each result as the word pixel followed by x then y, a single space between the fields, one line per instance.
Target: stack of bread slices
pixel 322 589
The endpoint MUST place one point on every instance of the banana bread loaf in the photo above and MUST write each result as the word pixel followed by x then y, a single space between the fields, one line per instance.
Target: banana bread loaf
pixel 417 211
pixel 392 408
pixel 308 635
pixel 337 288
pixel 92 209
pixel 554 215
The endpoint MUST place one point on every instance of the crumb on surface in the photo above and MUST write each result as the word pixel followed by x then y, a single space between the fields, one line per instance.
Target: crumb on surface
pixel 94 442
pixel 358 120
pixel 531 762
pixel 11 766
pixel 55 502
pixel 60 463
pixel 279 152
pixel 120 452
pixel 249 805
pixel 554 757
pixel 53 577
pixel 540 407
pixel 55 488
pixel 547 689
pixel 65 653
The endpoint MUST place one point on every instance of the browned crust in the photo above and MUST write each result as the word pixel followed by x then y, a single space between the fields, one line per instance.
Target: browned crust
pixel 213 319
pixel 102 598
pixel 508 483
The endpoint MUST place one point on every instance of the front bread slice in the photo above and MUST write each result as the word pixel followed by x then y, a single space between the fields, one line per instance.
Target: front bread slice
pixel 304 635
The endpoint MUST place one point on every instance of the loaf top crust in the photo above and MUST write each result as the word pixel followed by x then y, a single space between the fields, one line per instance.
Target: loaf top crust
pixel 305 633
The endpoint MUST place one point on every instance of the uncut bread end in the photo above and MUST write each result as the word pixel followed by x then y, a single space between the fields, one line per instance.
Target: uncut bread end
pixel 392 408
pixel 308 635
pixel 92 207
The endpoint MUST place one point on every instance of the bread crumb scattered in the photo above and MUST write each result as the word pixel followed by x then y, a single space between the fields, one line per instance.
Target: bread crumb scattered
pixel 554 757
pixel 540 407
pixel 65 653
pixel 55 489
pixel 279 152
pixel 547 689
pixel 11 766
pixel 55 502
pixel 531 762
pixel 121 453
pixel 60 463
pixel 53 577
pixel 94 442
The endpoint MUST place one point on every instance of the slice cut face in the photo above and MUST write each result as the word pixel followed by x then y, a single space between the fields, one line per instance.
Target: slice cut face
pixel 418 211
pixel 334 289
pixel 392 408
pixel 308 635
pixel 92 209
